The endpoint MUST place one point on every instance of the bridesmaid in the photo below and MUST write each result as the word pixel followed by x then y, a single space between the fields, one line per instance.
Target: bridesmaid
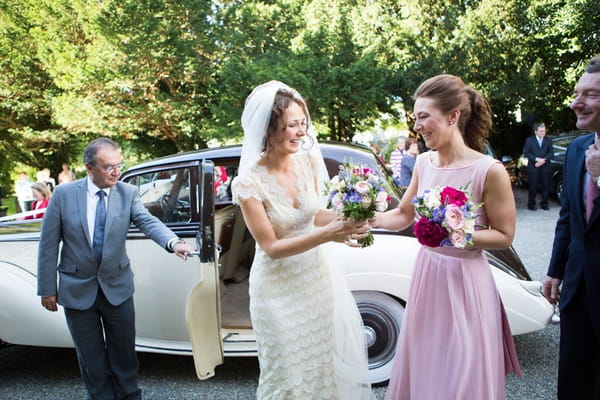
pixel 455 342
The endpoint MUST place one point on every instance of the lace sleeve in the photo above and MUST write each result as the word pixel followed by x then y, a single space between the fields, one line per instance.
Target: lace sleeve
pixel 245 187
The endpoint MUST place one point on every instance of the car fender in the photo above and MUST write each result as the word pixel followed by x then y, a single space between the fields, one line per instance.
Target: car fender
pixel 22 311
pixel 385 267
pixel 527 310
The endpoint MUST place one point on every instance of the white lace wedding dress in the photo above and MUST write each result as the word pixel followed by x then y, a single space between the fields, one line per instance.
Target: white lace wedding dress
pixel 307 326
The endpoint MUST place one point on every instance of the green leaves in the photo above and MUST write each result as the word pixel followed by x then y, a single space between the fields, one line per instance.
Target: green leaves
pixel 171 75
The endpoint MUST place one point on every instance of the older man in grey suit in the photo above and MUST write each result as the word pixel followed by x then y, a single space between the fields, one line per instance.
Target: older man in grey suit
pixel 91 218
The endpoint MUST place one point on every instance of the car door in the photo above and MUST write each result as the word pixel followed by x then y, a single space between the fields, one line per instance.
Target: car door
pixel 177 302
pixel 203 308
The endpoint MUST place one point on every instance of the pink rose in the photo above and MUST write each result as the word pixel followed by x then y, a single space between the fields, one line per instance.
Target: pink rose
pixel 381 206
pixel 362 187
pixel 361 171
pixel 450 195
pixel 458 239
pixel 454 217
pixel 381 201
pixel 429 233
pixel 337 202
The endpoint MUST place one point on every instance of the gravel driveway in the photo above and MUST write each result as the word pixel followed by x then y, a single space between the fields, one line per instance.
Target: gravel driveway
pixel 30 373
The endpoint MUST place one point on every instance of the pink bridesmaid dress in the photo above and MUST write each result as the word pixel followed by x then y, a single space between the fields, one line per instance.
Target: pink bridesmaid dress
pixel 455 341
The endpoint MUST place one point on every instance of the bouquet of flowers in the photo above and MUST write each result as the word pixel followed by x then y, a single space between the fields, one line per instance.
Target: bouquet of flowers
pixel 357 192
pixel 447 217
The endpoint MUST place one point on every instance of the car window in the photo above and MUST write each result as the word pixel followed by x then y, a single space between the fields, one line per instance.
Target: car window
pixel 562 143
pixel 224 174
pixel 165 193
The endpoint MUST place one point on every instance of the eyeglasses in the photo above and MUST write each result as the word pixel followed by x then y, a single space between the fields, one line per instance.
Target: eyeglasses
pixel 109 169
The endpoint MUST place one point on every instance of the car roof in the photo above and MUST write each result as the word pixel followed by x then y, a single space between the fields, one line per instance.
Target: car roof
pixel 569 134
pixel 329 148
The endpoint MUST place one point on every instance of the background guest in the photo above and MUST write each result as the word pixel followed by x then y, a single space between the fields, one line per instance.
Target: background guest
pixel 23 191
pixel 396 157
pixel 66 175
pixel 42 194
pixel 411 151
pixel 44 176
pixel 538 150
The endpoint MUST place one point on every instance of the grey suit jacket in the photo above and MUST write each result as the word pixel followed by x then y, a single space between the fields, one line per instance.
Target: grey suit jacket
pixel 65 222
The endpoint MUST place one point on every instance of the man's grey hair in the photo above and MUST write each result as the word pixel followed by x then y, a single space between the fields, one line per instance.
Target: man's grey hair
pixel 594 65
pixel 89 154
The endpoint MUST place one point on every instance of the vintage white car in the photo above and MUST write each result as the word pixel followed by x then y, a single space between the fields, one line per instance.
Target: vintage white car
pixel 200 307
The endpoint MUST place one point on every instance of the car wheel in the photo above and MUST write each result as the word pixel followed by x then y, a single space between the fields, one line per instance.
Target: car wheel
pixel 558 188
pixel 382 317
pixel 519 179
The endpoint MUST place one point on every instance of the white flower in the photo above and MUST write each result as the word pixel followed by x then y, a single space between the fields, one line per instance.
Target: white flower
pixel 432 199
pixel 469 226
pixel 366 201
pixel 362 187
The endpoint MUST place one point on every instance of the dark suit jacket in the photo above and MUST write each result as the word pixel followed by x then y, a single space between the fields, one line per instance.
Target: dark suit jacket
pixel 576 249
pixel 65 222
pixel 532 149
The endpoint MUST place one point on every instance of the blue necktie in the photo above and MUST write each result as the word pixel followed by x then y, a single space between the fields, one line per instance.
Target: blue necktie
pixel 99 221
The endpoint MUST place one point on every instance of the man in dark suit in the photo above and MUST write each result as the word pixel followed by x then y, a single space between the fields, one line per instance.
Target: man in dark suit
pixel 575 257
pixel 90 217
pixel 538 150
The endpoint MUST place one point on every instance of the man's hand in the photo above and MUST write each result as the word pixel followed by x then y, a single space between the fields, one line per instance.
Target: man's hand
pixel 49 303
pixel 592 159
pixel 551 289
pixel 182 250
pixel 539 161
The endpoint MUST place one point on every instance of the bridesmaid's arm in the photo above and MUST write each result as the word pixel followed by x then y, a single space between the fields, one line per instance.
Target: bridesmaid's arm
pixel 402 216
pixel 499 205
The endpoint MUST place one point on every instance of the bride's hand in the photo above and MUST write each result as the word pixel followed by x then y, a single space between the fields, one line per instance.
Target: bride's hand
pixel 347 231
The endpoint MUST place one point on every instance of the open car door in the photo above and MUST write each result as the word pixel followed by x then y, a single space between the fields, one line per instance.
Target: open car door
pixel 203 308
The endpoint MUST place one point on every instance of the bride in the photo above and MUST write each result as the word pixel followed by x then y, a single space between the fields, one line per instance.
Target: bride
pixel 307 326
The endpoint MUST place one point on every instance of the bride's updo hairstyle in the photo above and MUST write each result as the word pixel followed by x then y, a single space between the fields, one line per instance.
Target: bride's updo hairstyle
pixel 450 93
pixel 283 99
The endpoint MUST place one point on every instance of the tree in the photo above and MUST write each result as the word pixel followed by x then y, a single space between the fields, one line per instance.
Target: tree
pixel 28 132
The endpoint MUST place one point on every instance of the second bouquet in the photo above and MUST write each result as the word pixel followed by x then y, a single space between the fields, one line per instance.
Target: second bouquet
pixel 447 217
pixel 357 192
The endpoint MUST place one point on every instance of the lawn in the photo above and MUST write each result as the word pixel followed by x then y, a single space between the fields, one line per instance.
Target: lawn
pixel 10 204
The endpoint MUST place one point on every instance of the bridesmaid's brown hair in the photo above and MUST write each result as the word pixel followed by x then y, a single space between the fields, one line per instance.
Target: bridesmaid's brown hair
pixel 450 93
